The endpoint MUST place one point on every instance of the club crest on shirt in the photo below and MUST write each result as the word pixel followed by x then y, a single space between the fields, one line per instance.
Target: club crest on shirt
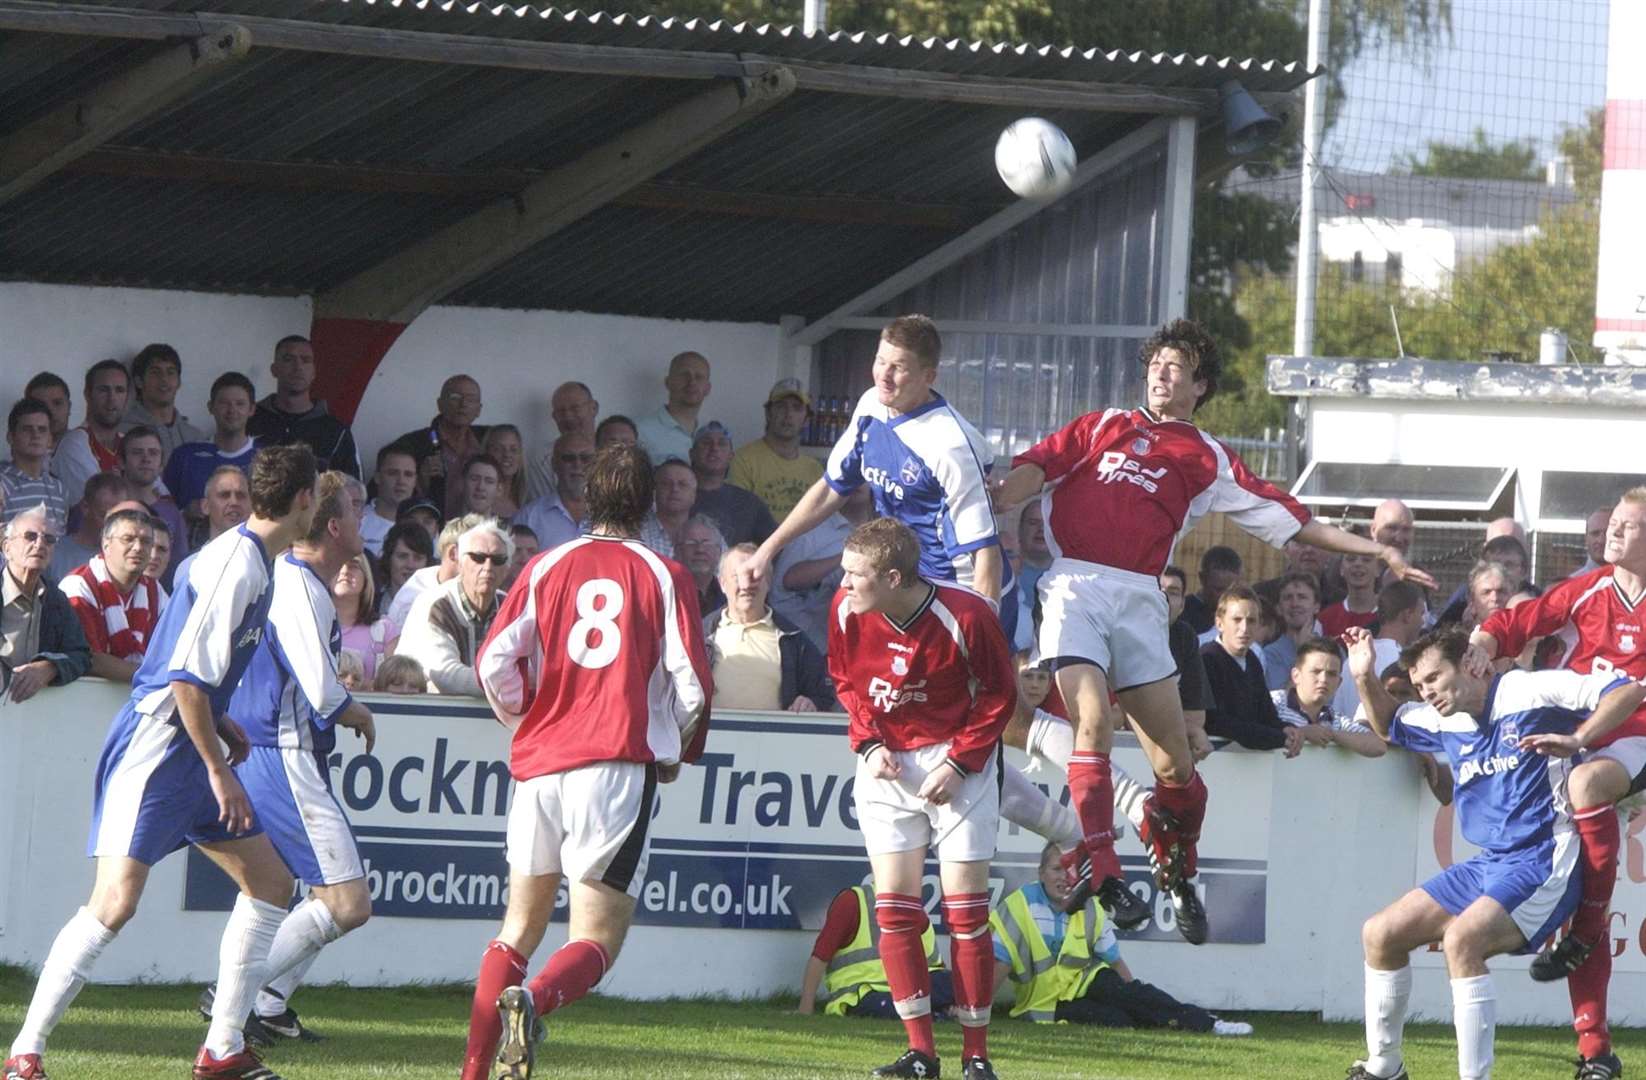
pixel 910 472
pixel 1626 642
pixel 1510 730
pixel 1140 446
pixel 900 665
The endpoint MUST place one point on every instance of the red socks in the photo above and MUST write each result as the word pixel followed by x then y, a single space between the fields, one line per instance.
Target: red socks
pixel 1091 791
pixel 570 973
pixel 971 955
pixel 501 967
pixel 902 920
pixel 1186 804
pixel 1601 836
pixel 1597 828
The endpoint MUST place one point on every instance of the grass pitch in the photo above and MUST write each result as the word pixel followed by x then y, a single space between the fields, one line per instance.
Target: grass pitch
pixel 152 1032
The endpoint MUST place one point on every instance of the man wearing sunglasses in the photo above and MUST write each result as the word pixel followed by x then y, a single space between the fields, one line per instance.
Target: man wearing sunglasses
pixel 448 623
pixel 41 643
pixel 554 515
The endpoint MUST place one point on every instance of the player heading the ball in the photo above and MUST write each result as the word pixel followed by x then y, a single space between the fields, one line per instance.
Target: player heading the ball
pixel 1118 488
pixel 925 673
pixel 596 661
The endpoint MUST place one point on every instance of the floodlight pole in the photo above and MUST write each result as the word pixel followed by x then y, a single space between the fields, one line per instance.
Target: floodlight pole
pixel 1314 122
pixel 817 17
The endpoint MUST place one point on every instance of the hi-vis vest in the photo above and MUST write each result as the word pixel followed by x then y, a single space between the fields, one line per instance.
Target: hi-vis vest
pixel 856 971
pixel 1042 981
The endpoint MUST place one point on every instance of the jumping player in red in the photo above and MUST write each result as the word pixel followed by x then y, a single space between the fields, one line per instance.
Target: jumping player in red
pixel 925 672
pixel 1120 487
pixel 1598 618
pixel 596 660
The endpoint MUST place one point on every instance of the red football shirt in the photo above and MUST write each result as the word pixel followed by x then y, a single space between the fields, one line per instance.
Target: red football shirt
pixel 1600 627
pixel 1123 486
pixel 597 655
pixel 1336 618
pixel 944 676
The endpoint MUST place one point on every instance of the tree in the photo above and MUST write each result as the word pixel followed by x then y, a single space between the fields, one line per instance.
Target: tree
pixel 1584 145
pixel 1478 159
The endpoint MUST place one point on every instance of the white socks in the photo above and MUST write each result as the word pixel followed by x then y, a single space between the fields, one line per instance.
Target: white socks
pixel 307 930
pixel 65 971
pixel 1128 795
pixel 1474 1012
pixel 1387 993
pixel 1051 738
pixel 1023 804
pixel 242 964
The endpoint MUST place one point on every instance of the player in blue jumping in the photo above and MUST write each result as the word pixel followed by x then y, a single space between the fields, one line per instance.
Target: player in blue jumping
pixel 925 464
pixel 1510 740
pixel 290 704
pixel 164 781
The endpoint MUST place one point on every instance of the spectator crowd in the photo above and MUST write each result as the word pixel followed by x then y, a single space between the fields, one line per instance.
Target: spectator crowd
pixel 100 518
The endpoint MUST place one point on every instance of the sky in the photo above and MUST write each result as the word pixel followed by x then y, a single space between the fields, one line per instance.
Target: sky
pixel 1520 69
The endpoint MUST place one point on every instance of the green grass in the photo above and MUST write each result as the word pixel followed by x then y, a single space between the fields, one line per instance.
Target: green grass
pixel 151 1032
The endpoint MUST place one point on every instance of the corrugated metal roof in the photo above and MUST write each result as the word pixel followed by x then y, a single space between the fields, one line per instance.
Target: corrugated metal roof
pixel 286 106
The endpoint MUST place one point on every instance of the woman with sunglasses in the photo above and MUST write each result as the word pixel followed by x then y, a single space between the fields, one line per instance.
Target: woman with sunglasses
pixel 449 621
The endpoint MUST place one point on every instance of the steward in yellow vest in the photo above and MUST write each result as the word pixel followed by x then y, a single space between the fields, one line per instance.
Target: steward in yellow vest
pixel 853 981
pixel 1067 968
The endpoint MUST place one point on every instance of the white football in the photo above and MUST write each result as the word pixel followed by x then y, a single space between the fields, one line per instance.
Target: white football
pixel 1035 158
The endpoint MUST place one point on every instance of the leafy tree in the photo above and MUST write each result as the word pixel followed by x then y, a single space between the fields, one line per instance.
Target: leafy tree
pixel 1584 146
pixel 1478 159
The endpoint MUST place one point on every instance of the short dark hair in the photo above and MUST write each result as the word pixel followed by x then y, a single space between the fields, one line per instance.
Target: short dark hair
pixel 291 339
pixel 1499 546
pixel 127 517
pixel 1176 571
pixel 1221 557
pixel 916 334
pixel 278 475
pixel 102 366
pixel 232 379
pixel 1396 599
pixel 98 483
pixel 620 489
pixel 394 449
pixel 160 525
pixel 1451 640
pixel 1191 339
pixel 45 380
pixel 482 459
pixel 1301 577
pixel 412 535
pixel 1317 644
pixel 25 407
pixel 148 354
pixel 140 431
pixel 613 419
pixel 517 531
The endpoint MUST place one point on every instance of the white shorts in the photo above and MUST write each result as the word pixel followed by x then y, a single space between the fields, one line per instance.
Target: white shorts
pixel 1113 618
pixel 893 817
pixel 591 824
pixel 1629 752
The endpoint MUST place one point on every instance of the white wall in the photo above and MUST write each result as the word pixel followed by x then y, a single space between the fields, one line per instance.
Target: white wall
pixel 519 357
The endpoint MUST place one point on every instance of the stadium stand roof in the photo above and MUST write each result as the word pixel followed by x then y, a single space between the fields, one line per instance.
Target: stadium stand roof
pixel 286 146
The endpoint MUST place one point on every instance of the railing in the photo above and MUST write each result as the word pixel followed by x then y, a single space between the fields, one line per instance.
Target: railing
pixel 1268 455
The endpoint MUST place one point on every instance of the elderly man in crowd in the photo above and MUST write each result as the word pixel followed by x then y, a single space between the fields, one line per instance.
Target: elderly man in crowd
pixel 772 466
pixel 444 569
pixel 1594 541
pixel 739 513
pixel 448 623
pixel 189 467
pixel 676 493
pixel 41 643
pixel 807 571
pixel 1393 525
pixel 117 603
pixel 1489 588
pixel 24 480
pixel 574 410
pixel 555 515
pixel 76 549
pixel 448 441
pixel 50 390
pixel 761 660
pixel 227 504
pixel 700 550
pixel 157 375
pixel 668 432
pixel 142 455
pixel 94 446
pixel 292 415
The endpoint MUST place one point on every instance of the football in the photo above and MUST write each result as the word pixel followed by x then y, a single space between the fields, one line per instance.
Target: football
pixel 1034 158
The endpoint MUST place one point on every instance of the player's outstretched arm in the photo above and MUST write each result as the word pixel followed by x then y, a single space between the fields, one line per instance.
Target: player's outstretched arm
pixel 1331 538
pixel 1022 483
pixel 1616 705
pixel 1380 704
pixel 812 510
